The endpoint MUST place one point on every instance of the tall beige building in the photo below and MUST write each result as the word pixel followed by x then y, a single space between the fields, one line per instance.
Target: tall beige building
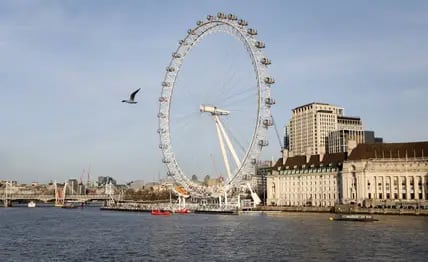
pixel 309 127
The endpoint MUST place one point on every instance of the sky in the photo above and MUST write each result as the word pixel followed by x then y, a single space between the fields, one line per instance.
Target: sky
pixel 66 65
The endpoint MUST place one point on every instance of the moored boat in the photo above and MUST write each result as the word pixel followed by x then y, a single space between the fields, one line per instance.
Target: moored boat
pixel 31 204
pixel 354 217
pixel 182 211
pixel 158 212
pixel 71 205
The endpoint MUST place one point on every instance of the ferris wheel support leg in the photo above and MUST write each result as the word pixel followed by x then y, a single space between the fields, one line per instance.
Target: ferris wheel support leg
pixel 229 144
pixel 223 150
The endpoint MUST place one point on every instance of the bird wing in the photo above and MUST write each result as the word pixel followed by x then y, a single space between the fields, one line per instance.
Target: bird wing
pixel 134 93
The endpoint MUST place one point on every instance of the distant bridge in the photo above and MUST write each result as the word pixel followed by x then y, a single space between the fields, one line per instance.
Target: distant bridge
pixel 60 196
pixel 48 198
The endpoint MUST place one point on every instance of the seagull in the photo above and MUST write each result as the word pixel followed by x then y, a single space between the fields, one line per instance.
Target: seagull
pixel 131 97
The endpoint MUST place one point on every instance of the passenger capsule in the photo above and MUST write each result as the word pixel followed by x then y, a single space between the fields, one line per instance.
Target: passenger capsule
pixel 165 84
pixel 242 22
pixel 269 80
pixel 161 115
pixel 265 61
pixel 221 15
pixel 163 146
pixel 260 44
pixel 181 42
pixel 253 161
pixel 169 173
pixel 176 55
pixel 252 31
pixel 263 143
pixel 200 22
pixel 210 17
pixel 269 101
pixel 166 160
pixel 191 32
pixel 161 131
pixel 170 69
pixel 163 99
pixel 267 122
pixel 232 17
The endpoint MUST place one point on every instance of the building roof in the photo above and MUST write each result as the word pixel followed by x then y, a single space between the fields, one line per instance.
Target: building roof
pixel 348 118
pixel 296 161
pixel 299 162
pixel 390 150
pixel 313 103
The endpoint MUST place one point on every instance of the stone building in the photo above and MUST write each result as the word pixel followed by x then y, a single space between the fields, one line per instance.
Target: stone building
pixel 305 180
pixel 391 174
pixel 370 175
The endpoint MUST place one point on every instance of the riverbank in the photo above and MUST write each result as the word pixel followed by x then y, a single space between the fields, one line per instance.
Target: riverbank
pixel 349 209
pixel 338 209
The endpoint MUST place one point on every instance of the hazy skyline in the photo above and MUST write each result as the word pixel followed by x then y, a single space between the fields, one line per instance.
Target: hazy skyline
pixel 66 65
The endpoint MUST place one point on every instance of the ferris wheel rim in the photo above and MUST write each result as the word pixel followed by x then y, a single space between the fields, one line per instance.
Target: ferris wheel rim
pixel 236 28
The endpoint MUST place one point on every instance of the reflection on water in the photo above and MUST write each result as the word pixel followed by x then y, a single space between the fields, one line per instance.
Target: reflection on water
pixel 92 235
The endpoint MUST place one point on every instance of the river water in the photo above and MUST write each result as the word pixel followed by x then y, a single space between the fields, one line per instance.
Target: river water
pixel 88 234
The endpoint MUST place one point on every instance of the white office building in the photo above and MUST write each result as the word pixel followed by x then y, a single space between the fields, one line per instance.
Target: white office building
pixel 309 127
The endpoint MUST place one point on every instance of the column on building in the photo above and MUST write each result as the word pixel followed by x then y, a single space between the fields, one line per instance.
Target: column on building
pixel 383 186
pixel 407 187
pixel 375 187
pixel 416 187
pixel 400 193
pixel 424 197
pixel 361 186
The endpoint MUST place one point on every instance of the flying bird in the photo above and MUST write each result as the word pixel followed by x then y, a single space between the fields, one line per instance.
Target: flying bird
pixel 131 99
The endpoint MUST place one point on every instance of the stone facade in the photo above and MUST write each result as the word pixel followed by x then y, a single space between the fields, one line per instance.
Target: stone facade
pixel 386 174
pixel 302 181
pixel 394 174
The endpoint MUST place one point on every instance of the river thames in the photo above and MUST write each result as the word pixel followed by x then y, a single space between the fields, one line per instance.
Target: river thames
pixel 88 234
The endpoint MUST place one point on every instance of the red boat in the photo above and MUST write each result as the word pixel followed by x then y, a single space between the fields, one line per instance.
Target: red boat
pixel 157 212
pixel 182 211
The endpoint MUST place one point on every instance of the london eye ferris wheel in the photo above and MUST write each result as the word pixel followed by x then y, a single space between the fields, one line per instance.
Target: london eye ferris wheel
pixel 238 168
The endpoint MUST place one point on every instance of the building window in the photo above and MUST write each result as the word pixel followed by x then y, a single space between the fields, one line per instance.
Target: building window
pixel 370 195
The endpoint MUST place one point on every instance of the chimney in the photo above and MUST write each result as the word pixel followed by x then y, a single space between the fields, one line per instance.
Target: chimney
pixel 352 144
pixel 285 155
pixel 308 154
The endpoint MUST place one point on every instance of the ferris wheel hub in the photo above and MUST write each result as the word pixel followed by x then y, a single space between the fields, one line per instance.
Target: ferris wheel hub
pixel 213 110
